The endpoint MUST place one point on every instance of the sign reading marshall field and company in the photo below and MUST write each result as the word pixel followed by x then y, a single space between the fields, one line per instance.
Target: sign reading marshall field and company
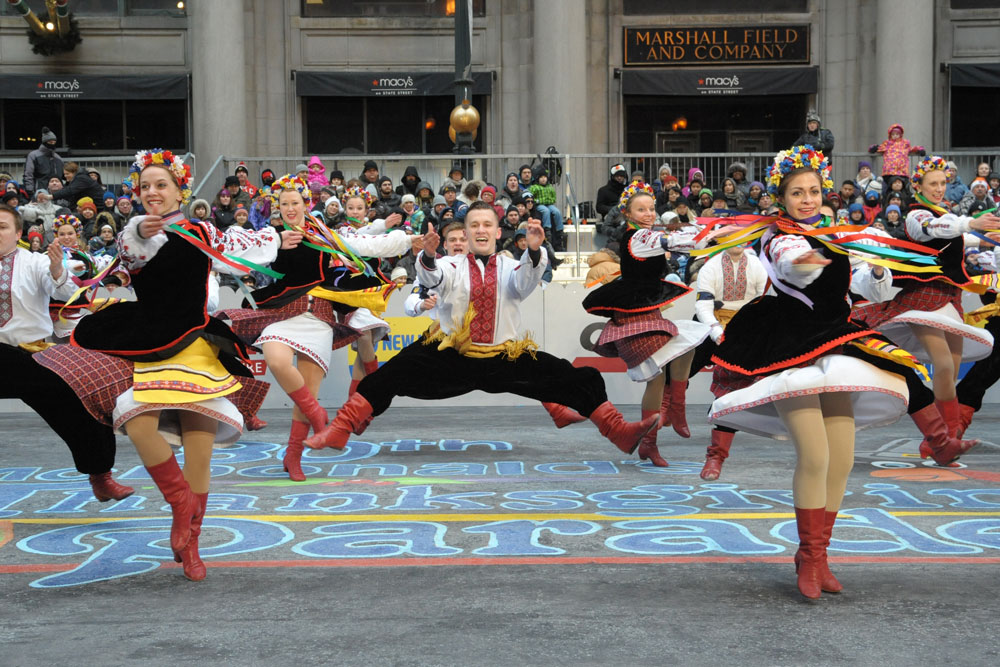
pixel 725 45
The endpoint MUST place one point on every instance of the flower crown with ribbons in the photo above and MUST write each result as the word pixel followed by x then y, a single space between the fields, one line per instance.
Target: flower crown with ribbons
pixel 927 165
pixel 357 191
pixel 795 158
pixel 71 220
pixel 290 182
pixel 161 158
pixel 634 188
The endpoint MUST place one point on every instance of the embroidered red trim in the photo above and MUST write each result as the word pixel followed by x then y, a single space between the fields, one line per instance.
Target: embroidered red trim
pixel 794 360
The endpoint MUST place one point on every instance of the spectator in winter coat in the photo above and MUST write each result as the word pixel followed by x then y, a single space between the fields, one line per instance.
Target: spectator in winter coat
pixel 956 188
pixel 818 137
pixel 80 185
pixel 994 181
pixel 667 199
pixel 609 194
pixel 849 193
pixel 42 163
pixel 511 189
pixel 200 210
pixel 108 203
pixel 977 198
pixel 896 152
pixel 124 212
pixel 86 211
pixel 753 194
pixel 409 183
pixel 892 218
pixel 661 174
pixel 387 197
pixel 488 195
pixel 872 206
pixel 733 198
pixel 896 186
pixel 526 177
pixel 42 212
pixel 223 210
pixel 246 186
pixel 605 266
pixel 425 195
pixel 865 175
pixel 317 172
pixel 738 172
pixel 456 178
pixel 694 175
pixel 238 196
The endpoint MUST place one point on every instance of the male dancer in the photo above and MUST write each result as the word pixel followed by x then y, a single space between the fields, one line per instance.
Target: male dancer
pixel 27 282
pixel 476 347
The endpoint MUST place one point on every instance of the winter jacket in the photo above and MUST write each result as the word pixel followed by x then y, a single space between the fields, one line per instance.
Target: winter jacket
pixel 736 201
pixel 410 182
pixel 969 200
pixel 603 264
pixel 694 173
pixel 35 213
pixel 81 186
pixel 459 185
pixel 544 194
pixel 821 140
pixel 317 177
pixel 896 154
pixel 608 196
pixel 956 190
pixel 40 165
pixel 744 185
pixel 223 217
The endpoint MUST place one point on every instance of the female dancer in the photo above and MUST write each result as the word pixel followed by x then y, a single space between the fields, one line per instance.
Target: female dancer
pixel 314 308
pixel 638 333
pixel 926 315
pixel 184 360
pixel 800 368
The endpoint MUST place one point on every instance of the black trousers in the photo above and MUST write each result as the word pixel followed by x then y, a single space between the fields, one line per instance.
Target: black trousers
pixel 91 442
pixel 983 374
pixel 421 371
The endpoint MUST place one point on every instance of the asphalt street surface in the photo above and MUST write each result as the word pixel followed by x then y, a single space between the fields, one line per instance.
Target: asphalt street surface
pixel 485 536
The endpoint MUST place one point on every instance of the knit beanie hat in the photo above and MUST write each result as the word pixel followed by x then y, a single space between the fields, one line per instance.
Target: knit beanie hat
pixel 86 203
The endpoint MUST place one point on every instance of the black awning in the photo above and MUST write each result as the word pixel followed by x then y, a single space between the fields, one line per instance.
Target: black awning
pixel 975 76
pixel 381 83
pixel 721 81
pixel 94 86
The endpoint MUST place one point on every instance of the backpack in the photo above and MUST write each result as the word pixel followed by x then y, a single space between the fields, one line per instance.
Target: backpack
pixel 552 165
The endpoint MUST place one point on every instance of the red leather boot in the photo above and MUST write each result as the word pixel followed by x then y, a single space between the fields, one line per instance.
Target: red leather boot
pixel 254 423
pixel 827 581
pixel 105 488
pixel 354 416
pixel 676 415
pixel 647 446
pixel 811 555
pixel 190 559
pixel 312 410
pixel 938 444
pixel 625 435
pixel 176 491
pixel 293 453
pixel 370 367
pixel 965 415
pixel 717 452
pixel 563 416
pixel 353 387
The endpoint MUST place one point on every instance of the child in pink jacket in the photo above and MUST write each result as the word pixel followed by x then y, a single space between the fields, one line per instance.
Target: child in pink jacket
pixel 317 172
pixel 896 152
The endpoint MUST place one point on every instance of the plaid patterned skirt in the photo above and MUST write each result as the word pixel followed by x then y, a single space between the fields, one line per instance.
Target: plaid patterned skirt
pixel 914 296
pixel 99 379
pixel 248 324
pixel 635 337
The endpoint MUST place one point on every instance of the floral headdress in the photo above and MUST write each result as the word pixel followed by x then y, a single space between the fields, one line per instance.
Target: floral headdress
pixel 633 188
pixel 357 191
pixel 161 158
pixel 928 164
pixel 69 220
pixel 290 182
pixel 795 158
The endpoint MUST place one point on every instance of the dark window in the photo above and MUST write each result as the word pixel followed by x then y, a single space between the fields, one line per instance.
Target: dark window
pixel 106 8
pixel 335 124
pixel 710 124
pixel 156 124
pixel 383 125
pixel 94 125
pixel 975 4
pixel 695 7
pixel 23 121
pixel 430 8
pixel 971 126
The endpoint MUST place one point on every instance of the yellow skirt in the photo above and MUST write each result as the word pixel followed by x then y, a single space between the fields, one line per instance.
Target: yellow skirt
pixel 193 374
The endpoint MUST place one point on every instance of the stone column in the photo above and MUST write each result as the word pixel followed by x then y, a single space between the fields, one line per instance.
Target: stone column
pixel 904 69
pixel 559 96
pixel 218 81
